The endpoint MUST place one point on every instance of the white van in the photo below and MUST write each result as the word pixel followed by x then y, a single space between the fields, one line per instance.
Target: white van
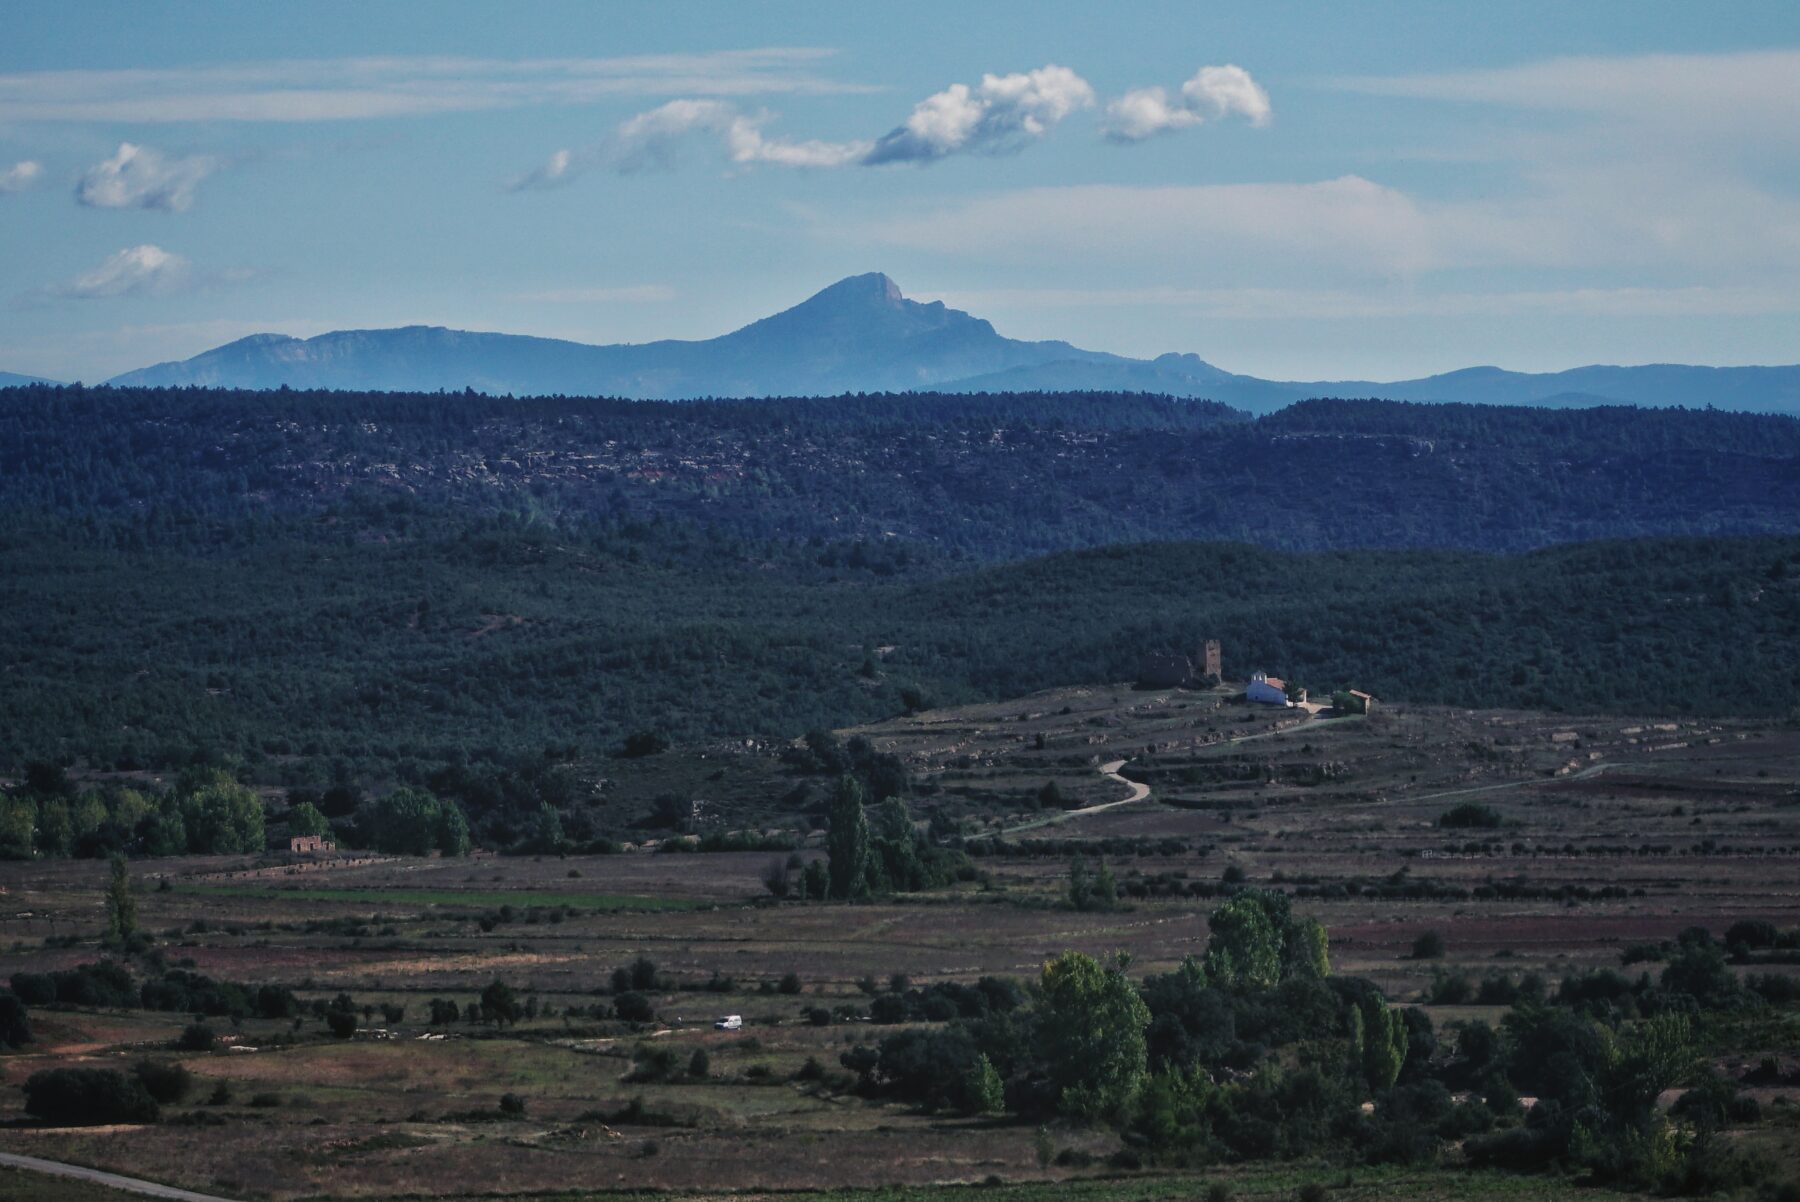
pixel 730 1022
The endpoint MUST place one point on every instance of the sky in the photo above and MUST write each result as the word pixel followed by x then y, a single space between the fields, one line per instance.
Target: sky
pixel 1296 191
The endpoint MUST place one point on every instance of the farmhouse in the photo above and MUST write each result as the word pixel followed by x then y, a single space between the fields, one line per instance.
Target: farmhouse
pixel 1267 690
pixel 311 843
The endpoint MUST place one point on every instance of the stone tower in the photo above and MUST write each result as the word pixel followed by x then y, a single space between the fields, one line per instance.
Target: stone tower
pixel 1210 661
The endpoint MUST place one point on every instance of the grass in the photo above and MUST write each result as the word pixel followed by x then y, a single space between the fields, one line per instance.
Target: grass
pixel 23 1184
pixel 1274 1183
pixel 471 898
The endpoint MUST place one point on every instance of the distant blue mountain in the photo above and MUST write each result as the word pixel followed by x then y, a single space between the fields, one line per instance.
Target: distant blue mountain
pixel 12 379
pixel 862 335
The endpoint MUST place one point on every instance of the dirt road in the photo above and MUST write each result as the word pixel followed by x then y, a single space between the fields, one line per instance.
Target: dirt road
pixel 149 1189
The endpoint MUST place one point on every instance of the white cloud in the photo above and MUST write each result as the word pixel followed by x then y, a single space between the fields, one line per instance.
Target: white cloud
pixel 130 272
pixel 138 177
pixel 1213 92
pixel 20 176
pixel 1001 114
pixel 345 89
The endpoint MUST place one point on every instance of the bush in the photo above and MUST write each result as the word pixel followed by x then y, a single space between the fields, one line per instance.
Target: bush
pixel 15 1025
pixel 699 1064
pixel 265 1101
pixel 790 984
pixel 195 1037
pixel 512 1105
pixel 341 1022
pixel 167 1083
pixel 1429 946
pixel 634 1007
pixel 1470 815
pixel 85 1097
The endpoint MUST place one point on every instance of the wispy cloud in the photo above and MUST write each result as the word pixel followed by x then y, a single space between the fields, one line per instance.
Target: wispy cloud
pixel 654 139
pixel 1001 114
pixel 345 89
pixel 134 271
pixel 20 176
pixel 139 177
pixel 145 270
pixel 1213 92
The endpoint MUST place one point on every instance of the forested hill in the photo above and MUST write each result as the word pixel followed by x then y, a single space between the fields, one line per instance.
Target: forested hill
pixel 943 477
pixel 504 643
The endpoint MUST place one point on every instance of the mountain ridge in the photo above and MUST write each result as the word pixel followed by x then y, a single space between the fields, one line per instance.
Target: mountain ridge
pixel 862 334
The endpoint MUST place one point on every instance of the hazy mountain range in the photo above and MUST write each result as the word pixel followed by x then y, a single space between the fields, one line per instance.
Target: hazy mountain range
pixel 862 335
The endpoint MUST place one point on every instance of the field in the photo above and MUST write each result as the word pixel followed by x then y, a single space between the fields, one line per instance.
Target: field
pixel 1615 831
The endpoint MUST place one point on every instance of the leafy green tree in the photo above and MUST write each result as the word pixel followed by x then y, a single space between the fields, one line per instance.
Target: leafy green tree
pixel 985 1092
pixel 1380 1038
pixel 306 819
pixel 1245 949
pixel 221 815
pixel 1106 888
pixel 1091 1025
pixel 453 829
pixel 847 842
pixel 121 906
pixel 18 828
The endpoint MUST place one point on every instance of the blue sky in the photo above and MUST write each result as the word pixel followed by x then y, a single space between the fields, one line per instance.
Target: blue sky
pixel 1295 191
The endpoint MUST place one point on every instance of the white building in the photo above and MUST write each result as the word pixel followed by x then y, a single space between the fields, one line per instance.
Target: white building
pixel 1269 690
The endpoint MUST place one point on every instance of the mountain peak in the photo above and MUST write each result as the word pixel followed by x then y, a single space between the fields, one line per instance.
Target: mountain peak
pixel 870 288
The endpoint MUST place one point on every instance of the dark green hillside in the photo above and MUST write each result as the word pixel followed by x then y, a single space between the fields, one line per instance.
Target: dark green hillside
pixel 986 478
pixel 388 659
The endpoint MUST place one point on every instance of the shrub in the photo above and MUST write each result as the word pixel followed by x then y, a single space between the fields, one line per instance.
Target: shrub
pixel 265 1101
pixel 1470 815
pixel 88 1097
pixel 1429 946
pixel 195 1037
pixel 167 1083
pixel 512 1105
pixel 699 1064
pixel 341 1022
pixel 15 1026
pixel 634 1007
pixel 790 983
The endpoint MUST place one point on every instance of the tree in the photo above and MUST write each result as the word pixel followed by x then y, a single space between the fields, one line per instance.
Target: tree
pixel 121 907
pixel 1245 949
pixel 985 1091
pixel 15 1023
pixel 306 819
pixel 1081 889
pixel 1428 946
pixel 221 815
pixel 847 843
pixel 1381 1040
pixel 500 1004
pixel 1257 942
pixel 1091 1032
pixel 79 1097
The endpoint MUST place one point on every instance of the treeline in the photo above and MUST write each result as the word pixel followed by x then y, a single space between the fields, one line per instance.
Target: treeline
pixel 489 665
pixel 941 477
pixel 1257 1052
